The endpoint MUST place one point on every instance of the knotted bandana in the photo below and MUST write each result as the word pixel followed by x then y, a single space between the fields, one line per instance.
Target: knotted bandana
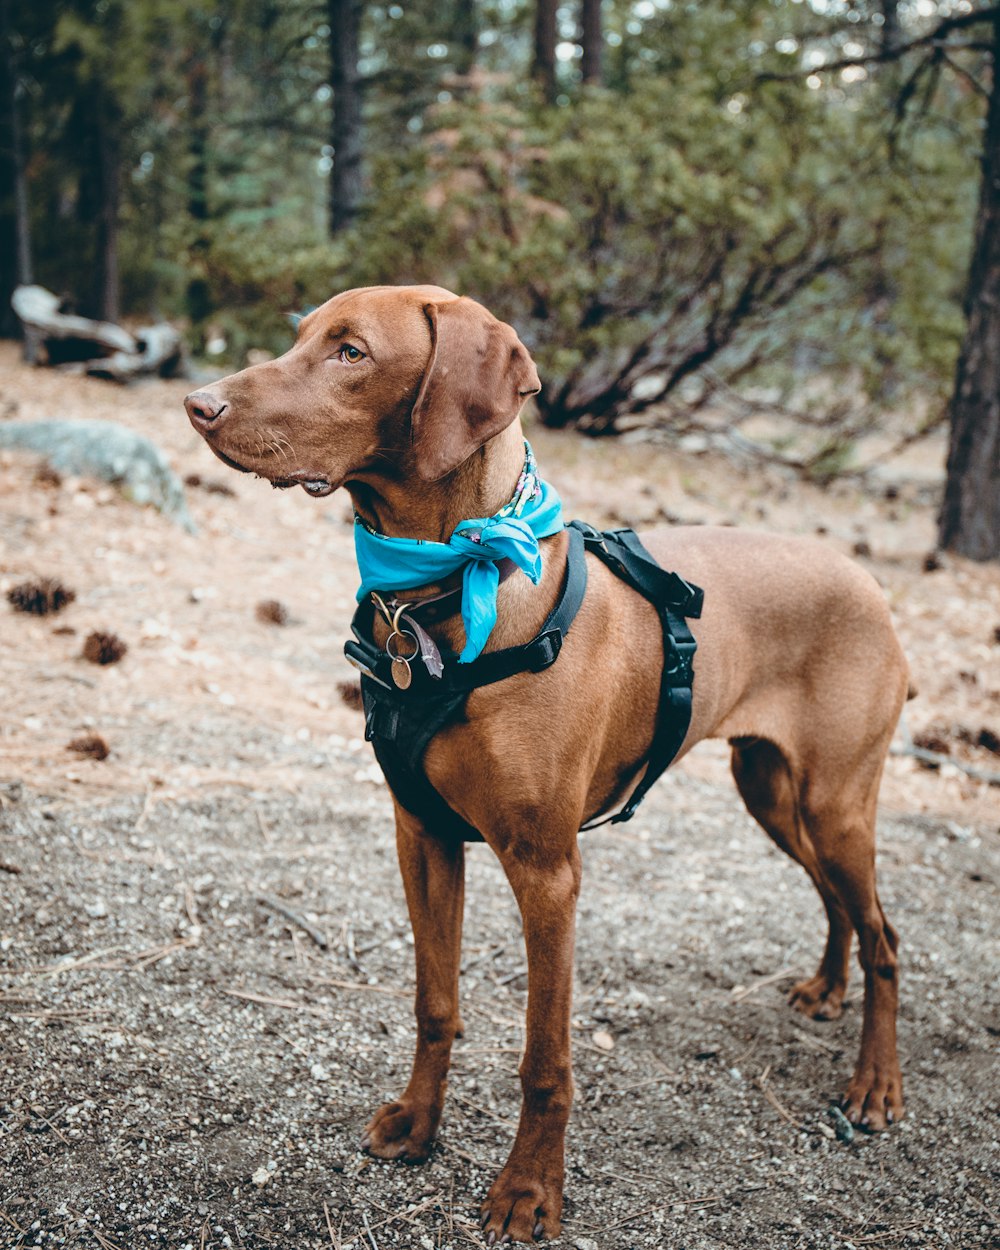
pixel 534 512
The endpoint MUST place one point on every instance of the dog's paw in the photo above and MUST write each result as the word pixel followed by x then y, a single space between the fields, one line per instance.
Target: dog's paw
pixel 874 1098
pixel 818 998
pixel 400 1130
pixel 521 1207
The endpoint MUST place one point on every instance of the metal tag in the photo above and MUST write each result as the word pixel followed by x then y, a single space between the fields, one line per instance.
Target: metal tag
pixel 401 674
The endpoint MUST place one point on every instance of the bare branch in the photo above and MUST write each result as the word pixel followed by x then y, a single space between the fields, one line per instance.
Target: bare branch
pixel 932 39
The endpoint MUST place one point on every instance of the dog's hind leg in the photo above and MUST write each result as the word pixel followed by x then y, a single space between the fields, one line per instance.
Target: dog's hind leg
pixel 434 876
pixel 824 817
pixel 764 780
pixel 843 835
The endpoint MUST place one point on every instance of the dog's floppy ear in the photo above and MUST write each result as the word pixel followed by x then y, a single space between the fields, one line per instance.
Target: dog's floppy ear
pixel 478 376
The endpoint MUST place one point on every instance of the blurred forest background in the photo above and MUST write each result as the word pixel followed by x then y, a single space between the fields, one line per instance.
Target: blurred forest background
pixel 678 205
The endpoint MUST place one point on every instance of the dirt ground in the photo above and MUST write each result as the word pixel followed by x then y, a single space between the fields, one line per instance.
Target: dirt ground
pixel 182 1065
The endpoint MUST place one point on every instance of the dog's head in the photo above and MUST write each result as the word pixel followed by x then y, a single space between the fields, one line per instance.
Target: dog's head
pixel 381 380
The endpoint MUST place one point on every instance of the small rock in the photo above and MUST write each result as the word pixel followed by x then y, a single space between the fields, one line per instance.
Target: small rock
pixel 603 1040
pixel 261 1177
pixel 97 910
pixel 842 1126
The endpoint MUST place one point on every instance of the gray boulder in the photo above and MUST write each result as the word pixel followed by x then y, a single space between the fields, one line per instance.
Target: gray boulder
pixel 108 451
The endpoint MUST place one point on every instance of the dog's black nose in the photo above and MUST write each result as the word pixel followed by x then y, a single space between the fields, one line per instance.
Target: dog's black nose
pixel 204 409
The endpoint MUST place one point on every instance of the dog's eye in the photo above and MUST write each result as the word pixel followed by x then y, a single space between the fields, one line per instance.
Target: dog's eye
pixel 350 354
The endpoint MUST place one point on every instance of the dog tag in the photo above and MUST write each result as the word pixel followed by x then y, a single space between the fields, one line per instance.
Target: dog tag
pixel 401 674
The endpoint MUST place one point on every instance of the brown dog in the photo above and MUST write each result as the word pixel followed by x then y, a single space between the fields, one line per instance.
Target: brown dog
pixel 409 397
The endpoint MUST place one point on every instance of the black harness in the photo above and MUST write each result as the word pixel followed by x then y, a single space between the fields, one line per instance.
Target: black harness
pixel 401 723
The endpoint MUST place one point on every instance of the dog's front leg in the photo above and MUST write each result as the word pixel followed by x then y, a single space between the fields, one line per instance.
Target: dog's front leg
pixel 525 1201
pixel 433 876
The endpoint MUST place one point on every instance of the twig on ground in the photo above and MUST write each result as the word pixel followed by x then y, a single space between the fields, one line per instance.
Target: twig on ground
pixel 405 1216
pixel 265 1000
pixel 276 905
pixel 191 905
pixel 144 959
pixel 290 1040
pixel 147 807
pixel 772 1098
pixel 468 1230
pixel 890 1234
pixel 368 1230
pixel 475 1106
pixel 69 965
pixel 630 1219
pixel 817 1042
pixel 99 1237
pixel 138 959
pixel 513 976
pixel 627 1089
pixel 39 1115
pixel 740 992
pixel 347 938
pixel 9 1219
pixel 363 985
pixel 459 1153
pixel 335 1241
pixel 491 952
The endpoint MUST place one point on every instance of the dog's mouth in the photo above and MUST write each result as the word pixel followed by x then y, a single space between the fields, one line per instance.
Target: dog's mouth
pixel 314 484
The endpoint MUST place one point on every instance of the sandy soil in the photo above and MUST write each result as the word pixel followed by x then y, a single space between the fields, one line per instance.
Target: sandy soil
pixel 183 1066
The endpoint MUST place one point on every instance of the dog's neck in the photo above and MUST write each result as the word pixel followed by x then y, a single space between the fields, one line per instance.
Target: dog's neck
pixel 413 508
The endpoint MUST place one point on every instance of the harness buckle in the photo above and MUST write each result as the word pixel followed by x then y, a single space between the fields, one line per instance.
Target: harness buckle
pixel 680 669
pixel 592 536
pixel 544 651
pixel 356 657
pixel 692 600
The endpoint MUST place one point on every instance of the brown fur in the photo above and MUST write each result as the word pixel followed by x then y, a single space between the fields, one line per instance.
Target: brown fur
pixel 798 668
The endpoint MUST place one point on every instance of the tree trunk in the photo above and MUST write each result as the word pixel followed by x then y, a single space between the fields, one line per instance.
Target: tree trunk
pixel 346 134
pixel 592 40
pixel 109 175
pixel 198 297
pixel 970 515
pixel 15 234
pixel 891 36
pixel 466 35
pixel 544 66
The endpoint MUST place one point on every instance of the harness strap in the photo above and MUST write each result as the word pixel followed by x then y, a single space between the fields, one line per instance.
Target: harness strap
pixel 400 738
pixel 401 723
pixel 623 552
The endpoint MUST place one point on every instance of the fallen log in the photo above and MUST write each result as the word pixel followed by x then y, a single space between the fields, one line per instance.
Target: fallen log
pixel 159 350
pixel 98 348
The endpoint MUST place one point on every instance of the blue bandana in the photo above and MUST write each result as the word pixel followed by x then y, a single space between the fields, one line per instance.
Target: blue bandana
pixel 512 533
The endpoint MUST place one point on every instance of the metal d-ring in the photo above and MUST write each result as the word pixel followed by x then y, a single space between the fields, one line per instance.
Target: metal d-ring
pixel 402 633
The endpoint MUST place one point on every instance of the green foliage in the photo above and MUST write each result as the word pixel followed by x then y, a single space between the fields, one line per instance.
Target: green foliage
pixel 634 247
pixel 686 226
